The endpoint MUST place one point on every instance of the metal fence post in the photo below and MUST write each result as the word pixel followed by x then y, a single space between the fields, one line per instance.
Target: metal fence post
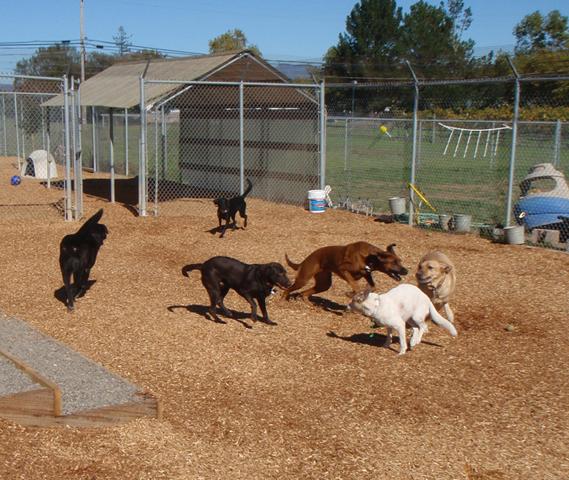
pixel 557 145
pixel 112 153
pixel 162 142
pixel 142 162
pixel 346 120
pixel 322 136
pixel 79 158
pixel 241 139
pixel 68 205
pixel 514 141
pixel 126 141
pixel 17 129
pixel 76 152
pixel 48 139
pixel 94 136
pixel 4 126
pixel 156 182
pixel 414 151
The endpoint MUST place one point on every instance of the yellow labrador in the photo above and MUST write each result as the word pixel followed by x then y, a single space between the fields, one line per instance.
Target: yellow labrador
pixel 436 277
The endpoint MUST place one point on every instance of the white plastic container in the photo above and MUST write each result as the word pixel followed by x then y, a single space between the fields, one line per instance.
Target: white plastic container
pixel 462 222
pixel 515 235
pixel 316 201
pixel 397 205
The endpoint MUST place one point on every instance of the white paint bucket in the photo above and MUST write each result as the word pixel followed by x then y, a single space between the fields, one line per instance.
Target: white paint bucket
pixel 515 235
pixel 397 205
pixel 462 222
pixel 316 201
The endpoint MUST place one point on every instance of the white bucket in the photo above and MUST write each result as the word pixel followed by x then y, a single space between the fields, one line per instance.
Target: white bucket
pixel 462 222
pixel 515 235
pixel 316 201
pixel 397 205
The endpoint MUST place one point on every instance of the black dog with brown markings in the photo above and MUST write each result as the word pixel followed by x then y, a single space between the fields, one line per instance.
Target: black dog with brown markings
pixel 252 282
pixel 77 255
pixel 227 209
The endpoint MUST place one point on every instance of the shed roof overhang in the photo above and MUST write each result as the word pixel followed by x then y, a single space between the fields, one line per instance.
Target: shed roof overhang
pixel 119 85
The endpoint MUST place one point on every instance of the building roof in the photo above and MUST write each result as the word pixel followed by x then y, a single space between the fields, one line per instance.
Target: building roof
pixel 119 85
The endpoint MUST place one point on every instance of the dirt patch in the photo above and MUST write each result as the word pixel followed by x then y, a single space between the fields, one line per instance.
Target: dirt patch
pixel 315 396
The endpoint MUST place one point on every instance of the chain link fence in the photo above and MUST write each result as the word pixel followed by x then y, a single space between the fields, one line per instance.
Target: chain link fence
pixel 34 149
pixel 448 151
pixel 208 138
pixel 110 139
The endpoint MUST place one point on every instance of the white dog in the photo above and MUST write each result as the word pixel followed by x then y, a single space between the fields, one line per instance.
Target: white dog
pixel 401 306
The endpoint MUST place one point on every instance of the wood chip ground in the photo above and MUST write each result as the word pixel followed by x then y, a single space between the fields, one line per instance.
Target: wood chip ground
pixel 315 396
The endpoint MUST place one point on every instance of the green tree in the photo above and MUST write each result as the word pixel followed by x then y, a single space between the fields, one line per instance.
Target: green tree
pixel 122 41
pixel 431 39
pixel 230 41
pixel 536 32
pixel 53 61
pixel 461 17
pixel 372 37
pixel 59 60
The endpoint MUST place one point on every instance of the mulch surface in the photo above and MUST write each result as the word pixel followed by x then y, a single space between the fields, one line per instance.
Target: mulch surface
pixel 315 396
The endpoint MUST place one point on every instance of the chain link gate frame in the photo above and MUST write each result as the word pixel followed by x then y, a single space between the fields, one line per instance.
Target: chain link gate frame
pixel 34 140
pixel 206 139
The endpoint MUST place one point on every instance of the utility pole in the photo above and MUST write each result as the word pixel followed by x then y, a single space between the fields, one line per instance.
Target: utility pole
pixel 82 36
pixel 82 40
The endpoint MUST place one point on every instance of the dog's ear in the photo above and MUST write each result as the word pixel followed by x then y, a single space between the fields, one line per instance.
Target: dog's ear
pixel 447 268
pixel 391 248
pixel 263 272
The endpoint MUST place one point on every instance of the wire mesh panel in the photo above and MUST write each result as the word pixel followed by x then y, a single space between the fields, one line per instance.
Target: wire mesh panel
pixel 368 143
pixel 32 149
pixel 281 142
pixel 540 200
pixel 456 156
pixel 110 153
pixel 209 138
pixel 461 160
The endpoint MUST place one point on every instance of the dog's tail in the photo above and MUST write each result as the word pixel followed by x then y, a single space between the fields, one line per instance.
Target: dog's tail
pixel 291 264
pixel 88 225
pixel 248 189
pixel 441 321
pixel 189 268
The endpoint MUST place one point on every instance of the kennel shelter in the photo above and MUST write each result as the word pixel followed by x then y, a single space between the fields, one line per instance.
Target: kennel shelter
pixel 205 124
pixel 39 164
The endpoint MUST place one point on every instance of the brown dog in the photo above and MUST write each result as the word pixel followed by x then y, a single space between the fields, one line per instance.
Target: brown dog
pixel 350 262
pixel 436 277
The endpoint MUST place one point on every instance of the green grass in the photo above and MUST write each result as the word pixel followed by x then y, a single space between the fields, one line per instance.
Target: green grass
pixel 376 167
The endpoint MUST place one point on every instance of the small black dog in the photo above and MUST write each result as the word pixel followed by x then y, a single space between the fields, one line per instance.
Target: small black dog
pixel 77 255
pixel 227 209
pixel 252 282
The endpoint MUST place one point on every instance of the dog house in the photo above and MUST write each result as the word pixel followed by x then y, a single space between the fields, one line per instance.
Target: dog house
pixel 40 164
pixel 209 122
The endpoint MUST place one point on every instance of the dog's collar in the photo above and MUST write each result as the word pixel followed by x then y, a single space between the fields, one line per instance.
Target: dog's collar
pixel 436 288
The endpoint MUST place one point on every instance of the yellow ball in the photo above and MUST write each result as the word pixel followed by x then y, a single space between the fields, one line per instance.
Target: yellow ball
pixel 383 129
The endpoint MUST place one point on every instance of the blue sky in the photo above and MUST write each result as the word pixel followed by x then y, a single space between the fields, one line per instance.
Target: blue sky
pixel 289 30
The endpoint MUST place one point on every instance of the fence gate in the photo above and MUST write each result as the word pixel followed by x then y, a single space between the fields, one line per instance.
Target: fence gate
pixel 207 138
pixel 35 149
